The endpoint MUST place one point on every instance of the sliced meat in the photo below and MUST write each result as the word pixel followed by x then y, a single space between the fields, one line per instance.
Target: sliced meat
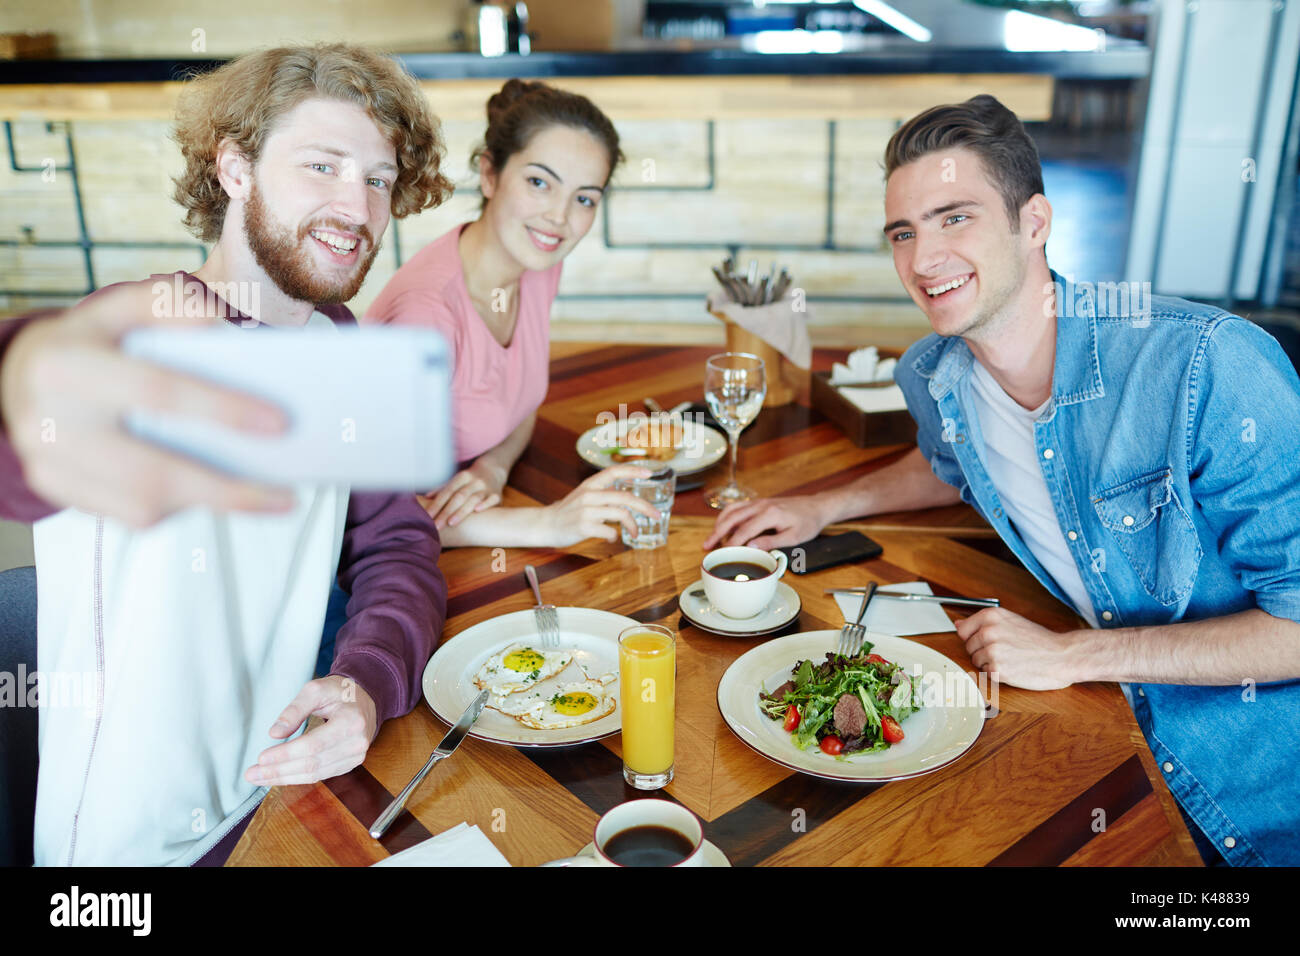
pixel 850 716
pixel 780 692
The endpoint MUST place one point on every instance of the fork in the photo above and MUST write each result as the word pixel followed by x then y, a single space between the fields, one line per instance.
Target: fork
pixel 544 615
pixel 852 635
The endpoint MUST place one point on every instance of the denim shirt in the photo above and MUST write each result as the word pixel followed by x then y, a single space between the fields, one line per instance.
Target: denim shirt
pixel 1171 452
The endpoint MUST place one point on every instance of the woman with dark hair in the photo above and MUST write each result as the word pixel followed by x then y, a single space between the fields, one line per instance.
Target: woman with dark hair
pixel 487 287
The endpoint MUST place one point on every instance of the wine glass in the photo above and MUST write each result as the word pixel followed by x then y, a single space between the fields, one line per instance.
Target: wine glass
pixel 735 384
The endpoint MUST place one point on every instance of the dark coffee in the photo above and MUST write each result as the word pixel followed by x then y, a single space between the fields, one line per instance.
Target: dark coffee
pixel 648 846
pixel 734 570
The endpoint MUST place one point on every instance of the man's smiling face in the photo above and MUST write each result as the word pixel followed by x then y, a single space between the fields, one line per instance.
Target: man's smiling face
pixel 320 200
pixel 954 248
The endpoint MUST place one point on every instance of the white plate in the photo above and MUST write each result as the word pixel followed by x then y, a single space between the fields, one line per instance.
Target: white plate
pixel 933 737
pixel 702 446
pixel 449 676
pixel 783 609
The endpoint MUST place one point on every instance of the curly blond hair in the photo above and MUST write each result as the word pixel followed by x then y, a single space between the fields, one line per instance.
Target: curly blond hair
pixel 241 100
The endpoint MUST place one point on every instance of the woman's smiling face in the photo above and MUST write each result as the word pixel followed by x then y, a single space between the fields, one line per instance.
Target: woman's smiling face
pixel 544 200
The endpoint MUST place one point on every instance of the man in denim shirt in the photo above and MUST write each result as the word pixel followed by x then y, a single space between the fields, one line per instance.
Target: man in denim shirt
pixel 1138 454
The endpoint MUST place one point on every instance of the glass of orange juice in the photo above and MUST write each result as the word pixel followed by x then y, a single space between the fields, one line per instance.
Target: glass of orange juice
pixel 647 666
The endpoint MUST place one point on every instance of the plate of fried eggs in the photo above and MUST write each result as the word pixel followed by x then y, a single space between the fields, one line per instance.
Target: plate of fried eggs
pixel 538 696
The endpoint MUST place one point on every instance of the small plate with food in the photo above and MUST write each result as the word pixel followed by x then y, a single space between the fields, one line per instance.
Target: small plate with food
pixel 682 443
pixel 540 696
pixel 897 709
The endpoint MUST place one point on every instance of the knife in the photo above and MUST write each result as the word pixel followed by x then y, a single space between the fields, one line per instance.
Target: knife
pixel 932 598
pixel 443 750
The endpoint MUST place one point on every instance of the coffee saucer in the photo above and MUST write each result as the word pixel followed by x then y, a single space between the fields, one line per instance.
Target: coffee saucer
pixel 712 855
pixel 783 609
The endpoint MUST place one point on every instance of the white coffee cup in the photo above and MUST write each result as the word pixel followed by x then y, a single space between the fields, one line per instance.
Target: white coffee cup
pixel 642 813
pixel 748 598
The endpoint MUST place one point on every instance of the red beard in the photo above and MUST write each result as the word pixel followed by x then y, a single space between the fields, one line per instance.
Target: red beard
pixel 289 266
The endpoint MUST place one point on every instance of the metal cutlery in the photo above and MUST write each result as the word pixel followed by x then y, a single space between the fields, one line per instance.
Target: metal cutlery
pixel 444 750
pixel 654 408
pixel 544 615
pixel 748 289
pixel 932 598
pixel 852 635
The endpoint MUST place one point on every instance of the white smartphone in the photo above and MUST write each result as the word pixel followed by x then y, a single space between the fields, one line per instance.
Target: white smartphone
pixel 369 407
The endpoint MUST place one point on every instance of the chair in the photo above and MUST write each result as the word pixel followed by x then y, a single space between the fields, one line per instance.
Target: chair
pixel 1288 336
pixel 18 722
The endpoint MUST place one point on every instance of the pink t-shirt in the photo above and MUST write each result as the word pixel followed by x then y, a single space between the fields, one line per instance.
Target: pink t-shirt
pixel 493 387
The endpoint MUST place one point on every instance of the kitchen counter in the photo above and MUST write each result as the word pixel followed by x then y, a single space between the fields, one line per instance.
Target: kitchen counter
pixel 893 56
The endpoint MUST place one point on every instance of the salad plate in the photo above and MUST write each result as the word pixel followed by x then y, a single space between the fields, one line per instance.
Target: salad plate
pixel 945 726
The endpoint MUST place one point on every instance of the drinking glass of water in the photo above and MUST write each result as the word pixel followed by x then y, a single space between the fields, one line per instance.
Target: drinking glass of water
pixel 735 385
pixel 659 489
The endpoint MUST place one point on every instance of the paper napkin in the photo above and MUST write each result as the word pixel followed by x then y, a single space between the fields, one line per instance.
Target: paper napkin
pixel 776 323
pixel 888 615
pixel 887 398
pixel 865 365
pixel 462 845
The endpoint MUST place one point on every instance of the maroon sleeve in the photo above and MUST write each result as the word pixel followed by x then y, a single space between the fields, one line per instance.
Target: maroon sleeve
pixel 17 501
pixel 389 564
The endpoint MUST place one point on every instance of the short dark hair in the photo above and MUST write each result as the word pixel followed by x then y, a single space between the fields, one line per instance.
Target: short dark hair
pixel 986 128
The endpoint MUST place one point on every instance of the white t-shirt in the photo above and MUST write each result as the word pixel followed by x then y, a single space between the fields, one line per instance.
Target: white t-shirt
pixel 1013 467
pixel 172 650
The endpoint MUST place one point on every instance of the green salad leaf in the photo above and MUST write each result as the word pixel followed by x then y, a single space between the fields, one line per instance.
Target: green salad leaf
pixel 882 687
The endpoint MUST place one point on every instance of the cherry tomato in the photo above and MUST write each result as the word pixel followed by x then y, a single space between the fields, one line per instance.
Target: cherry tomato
pixel 876 659
pixel 791 718
pixel 832 745
pixel 890 730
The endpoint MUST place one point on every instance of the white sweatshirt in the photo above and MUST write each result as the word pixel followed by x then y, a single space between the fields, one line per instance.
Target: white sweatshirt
pixel 166 655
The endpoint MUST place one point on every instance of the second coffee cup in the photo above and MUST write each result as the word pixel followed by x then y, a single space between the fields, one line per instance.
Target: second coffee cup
pixel 741 581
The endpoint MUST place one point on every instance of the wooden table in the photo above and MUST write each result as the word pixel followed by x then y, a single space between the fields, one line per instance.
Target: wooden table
pixel 1027 792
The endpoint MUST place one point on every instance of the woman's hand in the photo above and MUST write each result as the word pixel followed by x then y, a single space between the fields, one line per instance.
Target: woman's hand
pixel 476 488
pixel 587 509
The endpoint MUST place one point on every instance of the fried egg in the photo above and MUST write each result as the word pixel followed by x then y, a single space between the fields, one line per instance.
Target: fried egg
pixel 519 667
pixel 572 704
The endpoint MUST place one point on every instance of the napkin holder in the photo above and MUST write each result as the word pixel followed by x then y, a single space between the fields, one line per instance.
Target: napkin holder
pixel 864 429
pixel 783 376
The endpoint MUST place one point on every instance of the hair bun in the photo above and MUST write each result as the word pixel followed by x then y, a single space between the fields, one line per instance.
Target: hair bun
pixel 500 102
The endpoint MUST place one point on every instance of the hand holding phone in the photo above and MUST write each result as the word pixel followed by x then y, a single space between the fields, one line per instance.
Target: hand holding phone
pixel 65 389
pixel 367 407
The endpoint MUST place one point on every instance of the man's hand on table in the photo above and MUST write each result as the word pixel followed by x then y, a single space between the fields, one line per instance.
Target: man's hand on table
pixel 328 749
pixel 786 521
pixel 65 386
pixel 1017 651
